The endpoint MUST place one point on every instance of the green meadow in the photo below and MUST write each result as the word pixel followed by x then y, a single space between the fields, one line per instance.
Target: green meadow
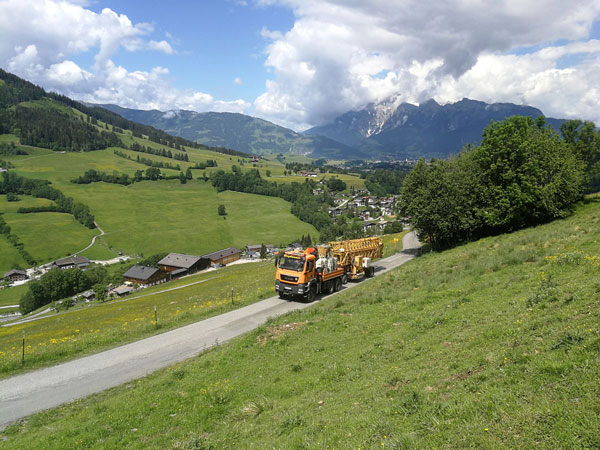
pixel 9 257
pixel 49 235
pixel 494 344
pixel 144 218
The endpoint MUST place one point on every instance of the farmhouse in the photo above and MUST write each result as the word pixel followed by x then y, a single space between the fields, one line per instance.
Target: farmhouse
pixel 16 275
pixel 2 170
pixel 179 264
pixel 225 256
pixel 145 276
pixel 74 262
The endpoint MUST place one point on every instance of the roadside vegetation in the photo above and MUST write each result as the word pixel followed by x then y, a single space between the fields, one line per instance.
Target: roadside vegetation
pixel 71 333
pixel 523 174
pixel 493 344
pixel 94 327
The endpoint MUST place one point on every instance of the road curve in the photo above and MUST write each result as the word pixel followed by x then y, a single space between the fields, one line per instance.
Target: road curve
pixel 26 394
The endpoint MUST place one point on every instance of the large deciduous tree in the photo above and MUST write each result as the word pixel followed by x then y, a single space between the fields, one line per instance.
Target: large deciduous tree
pixel 522 174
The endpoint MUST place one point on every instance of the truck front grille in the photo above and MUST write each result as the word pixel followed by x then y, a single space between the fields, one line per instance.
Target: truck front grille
pixel 289 278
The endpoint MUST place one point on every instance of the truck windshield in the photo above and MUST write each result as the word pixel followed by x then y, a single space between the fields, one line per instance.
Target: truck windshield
pixel 296 264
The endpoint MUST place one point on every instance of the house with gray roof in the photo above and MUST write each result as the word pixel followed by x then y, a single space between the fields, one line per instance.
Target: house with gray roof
pixel 179 264
pixel 16 275
pixel 225 256
pixel 145 276
pixel 72 262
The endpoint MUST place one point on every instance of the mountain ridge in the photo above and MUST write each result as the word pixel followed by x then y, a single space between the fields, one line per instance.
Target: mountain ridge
pixel 237 131
pixel 426 130
pixel 386 130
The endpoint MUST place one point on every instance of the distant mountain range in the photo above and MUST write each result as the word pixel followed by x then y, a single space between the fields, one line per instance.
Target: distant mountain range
pixel 397 131
pixel 239 132
pixel 388 130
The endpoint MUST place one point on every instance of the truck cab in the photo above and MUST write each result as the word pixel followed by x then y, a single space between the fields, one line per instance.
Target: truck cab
pixel 296 274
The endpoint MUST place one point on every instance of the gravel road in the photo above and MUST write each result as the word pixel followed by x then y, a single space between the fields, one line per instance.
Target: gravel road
pixel 26 394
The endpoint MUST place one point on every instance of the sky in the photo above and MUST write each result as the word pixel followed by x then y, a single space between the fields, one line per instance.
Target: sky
pixel 301 63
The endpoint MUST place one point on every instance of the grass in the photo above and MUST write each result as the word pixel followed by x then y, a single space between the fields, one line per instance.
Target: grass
pixel 48 236
pixel 495 344
pixel 101 325
pixel 12 295
pixel 10 258
pixel 188 221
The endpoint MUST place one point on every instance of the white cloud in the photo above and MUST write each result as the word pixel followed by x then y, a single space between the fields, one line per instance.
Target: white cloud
pixel 341 55
pixel 161 46
pixel 41 38
pixel 237 81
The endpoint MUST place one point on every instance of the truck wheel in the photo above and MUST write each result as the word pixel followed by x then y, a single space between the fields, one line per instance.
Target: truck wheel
pixel 312 294
pixel 330 287
pixel 345 279
pixel 281 295
pixel 338 284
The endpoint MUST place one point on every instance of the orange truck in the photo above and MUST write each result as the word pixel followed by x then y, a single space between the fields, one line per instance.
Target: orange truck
pixel 323 269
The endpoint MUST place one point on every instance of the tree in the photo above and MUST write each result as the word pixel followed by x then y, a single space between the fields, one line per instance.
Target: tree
pixel 522 174
pixel 101 291
pixel 221 210
pixel 268 173
pixel 188 173
pixel 263 251
pixel 335 184
pixel 153 173
pixel 182 178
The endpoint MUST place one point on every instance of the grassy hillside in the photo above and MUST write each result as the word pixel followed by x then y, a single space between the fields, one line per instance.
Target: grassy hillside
pixel 147 217
pixel 495 344
pixel 91 328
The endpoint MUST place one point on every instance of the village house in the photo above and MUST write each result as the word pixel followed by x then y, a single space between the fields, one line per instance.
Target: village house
pixel 88 296
pixel 145 276
pixel 318 191
pixel 369 226
pixel 253 255
pixel 179 264
pixel 335 211
pixel 2 170
pixel 121 291
pixel 15 275
pixel 387 211
pixel 365 215
pixel 73 262
pixel 255 248
pixel 225 256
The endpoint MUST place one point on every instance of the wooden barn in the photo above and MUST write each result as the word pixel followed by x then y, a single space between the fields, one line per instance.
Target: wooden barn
pixel 145 276
pixel 179 264
pixel 225 256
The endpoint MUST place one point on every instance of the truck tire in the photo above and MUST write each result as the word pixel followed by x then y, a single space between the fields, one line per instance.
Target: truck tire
pixel 312 294
pixel 345 279
pixel 330 289
pixel 281 295
pixel 338 284
pixel 369 272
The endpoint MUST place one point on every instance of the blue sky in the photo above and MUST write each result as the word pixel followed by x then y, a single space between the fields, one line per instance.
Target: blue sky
pixel 216 41
pixel 301 63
